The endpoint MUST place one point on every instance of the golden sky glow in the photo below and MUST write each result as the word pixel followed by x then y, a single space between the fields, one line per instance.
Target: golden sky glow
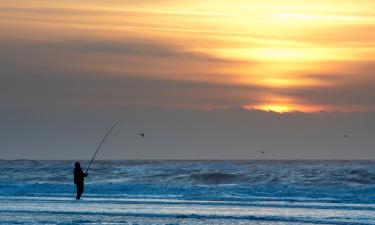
pixel 281 48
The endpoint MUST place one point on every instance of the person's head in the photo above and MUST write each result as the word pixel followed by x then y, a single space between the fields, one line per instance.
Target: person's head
pixel 77 164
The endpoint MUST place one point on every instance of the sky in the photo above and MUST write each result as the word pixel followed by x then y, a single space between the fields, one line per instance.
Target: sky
pixel 221 79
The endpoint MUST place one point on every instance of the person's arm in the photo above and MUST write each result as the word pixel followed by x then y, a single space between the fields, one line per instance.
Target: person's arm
pixel 82 174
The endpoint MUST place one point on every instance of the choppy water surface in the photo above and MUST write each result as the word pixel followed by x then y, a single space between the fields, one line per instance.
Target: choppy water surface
pixel 190 192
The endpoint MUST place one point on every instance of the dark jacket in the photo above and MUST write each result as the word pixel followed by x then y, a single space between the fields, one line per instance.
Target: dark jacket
pixel 79 175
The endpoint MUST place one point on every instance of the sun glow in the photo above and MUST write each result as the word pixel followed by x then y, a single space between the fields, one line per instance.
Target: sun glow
pixel 283 108
pixel 270 48
pixel 274 108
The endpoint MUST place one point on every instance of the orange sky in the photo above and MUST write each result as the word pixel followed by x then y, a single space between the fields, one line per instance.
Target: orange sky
pixel 297 55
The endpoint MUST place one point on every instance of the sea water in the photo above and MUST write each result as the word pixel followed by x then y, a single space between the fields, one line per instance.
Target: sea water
pixel 189 192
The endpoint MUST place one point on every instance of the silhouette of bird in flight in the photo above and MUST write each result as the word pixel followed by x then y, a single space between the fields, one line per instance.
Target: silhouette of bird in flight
pixel 262 152
pixel 346 136
pixel 142 134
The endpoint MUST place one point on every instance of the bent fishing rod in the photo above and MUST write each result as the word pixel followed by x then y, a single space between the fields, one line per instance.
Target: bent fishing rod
pixel 101 143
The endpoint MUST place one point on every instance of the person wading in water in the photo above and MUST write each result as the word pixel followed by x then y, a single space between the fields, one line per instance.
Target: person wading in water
pixel 79 178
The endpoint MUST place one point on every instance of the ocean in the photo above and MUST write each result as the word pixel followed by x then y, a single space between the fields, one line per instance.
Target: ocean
pixel 189 192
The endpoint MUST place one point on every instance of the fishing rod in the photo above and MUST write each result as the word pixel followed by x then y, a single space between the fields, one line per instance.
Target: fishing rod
pixel 101 143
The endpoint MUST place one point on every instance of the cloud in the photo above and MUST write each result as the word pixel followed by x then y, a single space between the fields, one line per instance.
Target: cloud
pixel 127 57
pixel 43 92
pixel 75 61
pixel 353 88
pixel 100 73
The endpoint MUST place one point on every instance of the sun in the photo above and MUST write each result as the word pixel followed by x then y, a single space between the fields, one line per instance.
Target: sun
pixel 278 108
pixel 284 107
pixel 275 108
pixel 281 105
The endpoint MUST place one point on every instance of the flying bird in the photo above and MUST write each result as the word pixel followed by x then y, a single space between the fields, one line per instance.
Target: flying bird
pixel 142 134
pixel 262 152
pixel 346 136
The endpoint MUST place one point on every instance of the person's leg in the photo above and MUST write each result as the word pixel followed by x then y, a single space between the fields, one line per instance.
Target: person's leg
pixel 79 190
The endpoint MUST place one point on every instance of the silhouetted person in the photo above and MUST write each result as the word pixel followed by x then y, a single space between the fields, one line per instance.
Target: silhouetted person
pixel 79 177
